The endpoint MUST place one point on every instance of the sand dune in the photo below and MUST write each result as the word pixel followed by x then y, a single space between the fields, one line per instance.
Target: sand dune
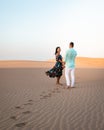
pixel 89 62
pixel 29 100
pixel 25 64
pixel 81 62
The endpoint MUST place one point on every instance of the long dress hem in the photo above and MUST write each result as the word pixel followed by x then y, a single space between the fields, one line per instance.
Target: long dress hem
pixel 56 71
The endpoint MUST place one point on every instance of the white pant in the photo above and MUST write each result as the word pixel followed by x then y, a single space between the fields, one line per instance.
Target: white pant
pixel 70 72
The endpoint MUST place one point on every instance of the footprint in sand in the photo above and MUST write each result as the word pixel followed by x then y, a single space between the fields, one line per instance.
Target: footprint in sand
pixel 30 100
pixel 14 117
pixel 26 112
pixel 29 103
pixel 21 124
pixel 43 92
pixel 57 91
pixel 49 94
pixel 18 107
pixel 43 97
pixel 46 96
pixel 53 91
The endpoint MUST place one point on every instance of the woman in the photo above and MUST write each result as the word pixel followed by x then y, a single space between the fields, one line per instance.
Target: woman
pixel 56 71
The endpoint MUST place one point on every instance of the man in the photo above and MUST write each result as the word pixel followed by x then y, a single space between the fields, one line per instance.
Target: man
pixel 70 65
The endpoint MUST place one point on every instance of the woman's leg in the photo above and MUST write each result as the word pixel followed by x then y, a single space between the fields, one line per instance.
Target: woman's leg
pixel 58 80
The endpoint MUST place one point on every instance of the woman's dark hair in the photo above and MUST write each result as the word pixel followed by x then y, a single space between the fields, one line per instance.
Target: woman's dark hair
pixel 56 50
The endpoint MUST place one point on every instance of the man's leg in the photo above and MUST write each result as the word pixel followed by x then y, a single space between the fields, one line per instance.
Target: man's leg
pixel 72 77
pixel 67 76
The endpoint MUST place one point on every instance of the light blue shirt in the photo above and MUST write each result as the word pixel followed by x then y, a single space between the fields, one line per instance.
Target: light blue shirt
pixel 70 58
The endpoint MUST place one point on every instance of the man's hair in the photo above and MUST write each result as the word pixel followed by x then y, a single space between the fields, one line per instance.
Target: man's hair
pixel 72 44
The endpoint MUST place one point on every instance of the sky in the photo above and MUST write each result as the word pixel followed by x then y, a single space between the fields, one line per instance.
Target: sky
pixel 32 29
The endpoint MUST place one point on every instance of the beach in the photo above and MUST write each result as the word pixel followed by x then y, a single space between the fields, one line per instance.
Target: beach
pixel 29 100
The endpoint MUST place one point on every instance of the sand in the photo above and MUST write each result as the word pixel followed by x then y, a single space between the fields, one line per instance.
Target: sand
pixel 81 62
pixel 29 100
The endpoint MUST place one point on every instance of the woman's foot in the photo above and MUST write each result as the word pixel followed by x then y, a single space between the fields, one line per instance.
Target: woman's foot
pixel 47 73
pixel 59 84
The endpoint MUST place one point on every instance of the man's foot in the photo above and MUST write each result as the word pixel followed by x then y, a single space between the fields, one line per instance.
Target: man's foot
pixel 68 87
pixel 72 86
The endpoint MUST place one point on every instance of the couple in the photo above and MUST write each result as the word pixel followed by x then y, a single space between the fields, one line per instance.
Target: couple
pixel 68 64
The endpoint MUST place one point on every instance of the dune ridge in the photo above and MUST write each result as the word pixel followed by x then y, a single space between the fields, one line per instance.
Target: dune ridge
pixel 81 62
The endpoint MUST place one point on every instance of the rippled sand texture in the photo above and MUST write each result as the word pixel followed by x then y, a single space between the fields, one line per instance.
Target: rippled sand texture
pixel 29 100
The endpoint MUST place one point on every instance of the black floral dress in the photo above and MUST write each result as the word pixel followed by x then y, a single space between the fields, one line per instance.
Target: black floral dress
pixel 56 71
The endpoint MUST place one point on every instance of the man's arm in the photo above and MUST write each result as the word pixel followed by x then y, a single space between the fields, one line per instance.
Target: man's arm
pixel 66 56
